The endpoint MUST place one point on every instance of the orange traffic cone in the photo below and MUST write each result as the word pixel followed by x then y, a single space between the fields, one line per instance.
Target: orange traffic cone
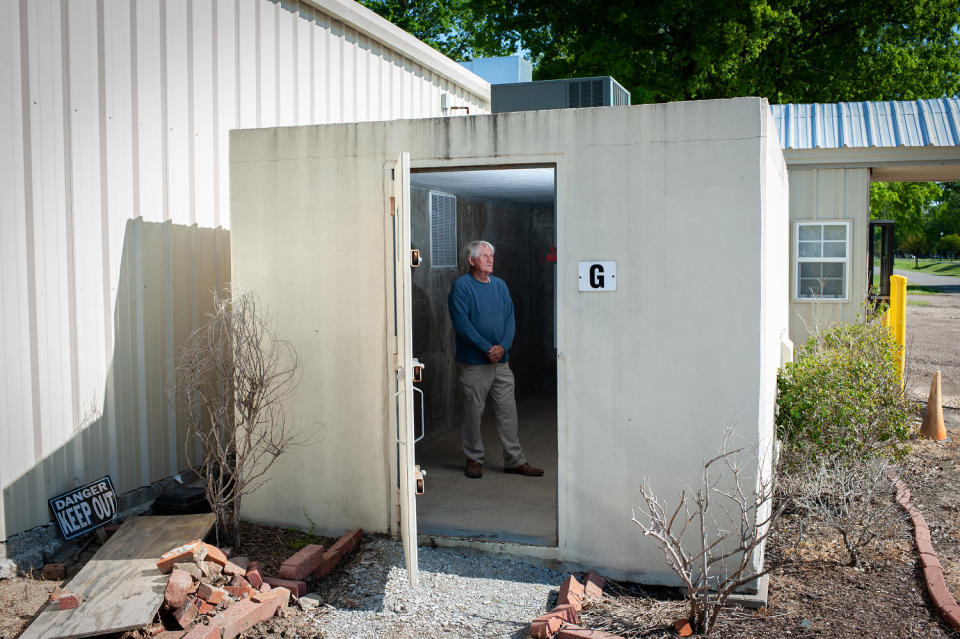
pixel 933 419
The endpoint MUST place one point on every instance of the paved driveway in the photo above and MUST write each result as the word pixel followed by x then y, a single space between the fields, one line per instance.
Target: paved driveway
pixel 946 283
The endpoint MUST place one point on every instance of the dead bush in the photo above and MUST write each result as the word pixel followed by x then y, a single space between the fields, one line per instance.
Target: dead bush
pixel 852 496
pixel 232 379
pixel 713 537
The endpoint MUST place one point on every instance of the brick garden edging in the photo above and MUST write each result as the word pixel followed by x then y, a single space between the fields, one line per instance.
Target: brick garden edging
pixel 944 602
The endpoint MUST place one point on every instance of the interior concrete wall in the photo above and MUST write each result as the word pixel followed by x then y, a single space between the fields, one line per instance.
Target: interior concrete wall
pixel 682 198
pixel 831 195
pixel 522 235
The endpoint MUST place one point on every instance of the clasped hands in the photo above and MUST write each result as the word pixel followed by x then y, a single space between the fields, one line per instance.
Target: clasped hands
pixel 496 353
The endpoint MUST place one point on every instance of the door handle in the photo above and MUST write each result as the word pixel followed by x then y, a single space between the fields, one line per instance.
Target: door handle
pixel 417 371
pixel 423 417
pixel 415 258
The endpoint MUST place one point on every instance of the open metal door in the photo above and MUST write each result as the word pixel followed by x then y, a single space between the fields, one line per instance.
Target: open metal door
pixel 403 361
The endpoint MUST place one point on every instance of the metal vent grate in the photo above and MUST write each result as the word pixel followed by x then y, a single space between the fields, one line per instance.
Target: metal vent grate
pixel 443 230
pixel 587 93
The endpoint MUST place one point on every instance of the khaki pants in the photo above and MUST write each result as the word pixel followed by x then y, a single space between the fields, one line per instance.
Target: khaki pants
pixel 477 382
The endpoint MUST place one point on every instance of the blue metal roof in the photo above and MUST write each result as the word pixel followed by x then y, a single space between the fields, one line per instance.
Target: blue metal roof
pixel 868 124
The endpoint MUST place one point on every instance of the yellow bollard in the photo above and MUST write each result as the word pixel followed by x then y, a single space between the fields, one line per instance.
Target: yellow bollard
pixel 897 318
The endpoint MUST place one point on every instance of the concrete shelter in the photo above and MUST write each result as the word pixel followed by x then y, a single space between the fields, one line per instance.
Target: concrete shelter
pixel 689 200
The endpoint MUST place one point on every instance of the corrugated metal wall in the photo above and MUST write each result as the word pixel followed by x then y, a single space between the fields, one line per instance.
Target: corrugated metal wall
pixel 830 195
pixel 114 203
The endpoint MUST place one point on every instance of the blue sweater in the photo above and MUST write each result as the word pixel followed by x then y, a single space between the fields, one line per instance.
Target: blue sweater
pixel 482 314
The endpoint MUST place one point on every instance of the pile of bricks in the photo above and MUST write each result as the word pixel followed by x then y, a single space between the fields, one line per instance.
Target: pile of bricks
pixel 562 622
pixel 211 596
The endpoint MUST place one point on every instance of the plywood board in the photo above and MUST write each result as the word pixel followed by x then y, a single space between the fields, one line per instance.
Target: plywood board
pixel 121 586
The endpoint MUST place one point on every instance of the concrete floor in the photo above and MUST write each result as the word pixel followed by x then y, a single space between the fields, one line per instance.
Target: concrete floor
pixel 498 507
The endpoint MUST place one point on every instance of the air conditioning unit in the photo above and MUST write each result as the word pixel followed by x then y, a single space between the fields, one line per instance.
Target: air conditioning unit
pixel 558 94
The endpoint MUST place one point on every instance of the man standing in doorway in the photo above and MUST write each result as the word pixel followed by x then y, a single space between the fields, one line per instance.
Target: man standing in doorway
pixel 482 314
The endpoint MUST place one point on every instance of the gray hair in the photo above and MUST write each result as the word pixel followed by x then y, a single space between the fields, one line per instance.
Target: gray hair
pixel 473 248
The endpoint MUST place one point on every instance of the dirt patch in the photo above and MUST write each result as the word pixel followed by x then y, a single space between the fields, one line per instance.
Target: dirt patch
pixel 933 343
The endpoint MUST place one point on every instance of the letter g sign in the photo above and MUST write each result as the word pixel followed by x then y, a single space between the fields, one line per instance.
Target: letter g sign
pixel 596 276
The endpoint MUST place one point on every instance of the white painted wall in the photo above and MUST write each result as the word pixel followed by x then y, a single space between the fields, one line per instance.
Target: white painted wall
pixel 830 194
pixel 114 199
pixel 690 200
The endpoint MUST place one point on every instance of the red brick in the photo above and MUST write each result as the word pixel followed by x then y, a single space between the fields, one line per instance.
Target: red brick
pixel 239 617
pixel 239 592
pixel 203 631
pixel 239 582
pixel 215 555
pixel 69 600
pixel 191 568
pixel 276 597
pixel 566 612
pixel 929 561
pixel 253 574
pixel 577 632
pixel 347 543
pixel 178 587
pixel 682 627
pixel 924 546
pixel 544 628
pixel 236 566
pixel 54 572
pixel 211 593
pixel 571 592
pixel 593 588
pixel 933 574
pixel 169 634
pixel 153 629
pixel 205 607
pixel 186 613
pixel 299 588
pixel 330 560
pixel 303 562
pixel 194 551
pixel 952 617
pixel 55 595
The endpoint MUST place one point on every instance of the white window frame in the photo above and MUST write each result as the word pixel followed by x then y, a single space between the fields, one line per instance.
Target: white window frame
pixel 797 260
pixel 433 264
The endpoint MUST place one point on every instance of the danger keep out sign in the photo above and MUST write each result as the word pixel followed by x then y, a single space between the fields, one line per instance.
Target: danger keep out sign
pixel 85 508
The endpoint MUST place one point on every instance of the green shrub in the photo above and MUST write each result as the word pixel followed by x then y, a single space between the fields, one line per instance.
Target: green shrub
pixel 842 396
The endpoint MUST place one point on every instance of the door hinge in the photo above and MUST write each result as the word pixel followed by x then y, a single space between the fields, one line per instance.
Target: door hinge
pixel 393 206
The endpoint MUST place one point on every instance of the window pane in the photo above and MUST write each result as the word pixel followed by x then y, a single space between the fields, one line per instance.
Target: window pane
pixel 832 288
pixel 809 232
pixel 810 270
pixel 835 232
pixel 834 249
pixel 810 249
pixel 809 288
pixel 833 269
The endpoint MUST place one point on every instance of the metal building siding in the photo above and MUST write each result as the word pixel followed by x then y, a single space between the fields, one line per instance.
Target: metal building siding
pixel 114 197
pixel 869 124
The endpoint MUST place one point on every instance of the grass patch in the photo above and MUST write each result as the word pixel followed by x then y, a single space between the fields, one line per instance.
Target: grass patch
pixel 297 539
pixel 935 267
pixel 918 302
pixel 917 289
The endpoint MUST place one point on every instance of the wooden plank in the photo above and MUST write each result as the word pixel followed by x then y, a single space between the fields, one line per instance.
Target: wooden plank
pixel 121 586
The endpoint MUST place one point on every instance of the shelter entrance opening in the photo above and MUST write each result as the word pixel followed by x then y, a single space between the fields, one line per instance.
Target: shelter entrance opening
pixel 514 209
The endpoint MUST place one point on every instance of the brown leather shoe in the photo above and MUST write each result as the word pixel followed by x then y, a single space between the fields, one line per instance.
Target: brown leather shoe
pixel 525 469
pixel 474 470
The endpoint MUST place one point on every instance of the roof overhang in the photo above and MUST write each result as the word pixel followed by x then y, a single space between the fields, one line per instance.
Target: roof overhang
pixel 899 164
pixel 373 26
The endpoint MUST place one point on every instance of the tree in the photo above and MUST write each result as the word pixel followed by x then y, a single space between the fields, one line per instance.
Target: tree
pixel 915 245
pixel 455 28
pixel 231 381
pixel 950 244
pixel 909 204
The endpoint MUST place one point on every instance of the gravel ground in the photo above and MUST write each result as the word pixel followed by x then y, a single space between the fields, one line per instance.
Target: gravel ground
pixel 461 594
